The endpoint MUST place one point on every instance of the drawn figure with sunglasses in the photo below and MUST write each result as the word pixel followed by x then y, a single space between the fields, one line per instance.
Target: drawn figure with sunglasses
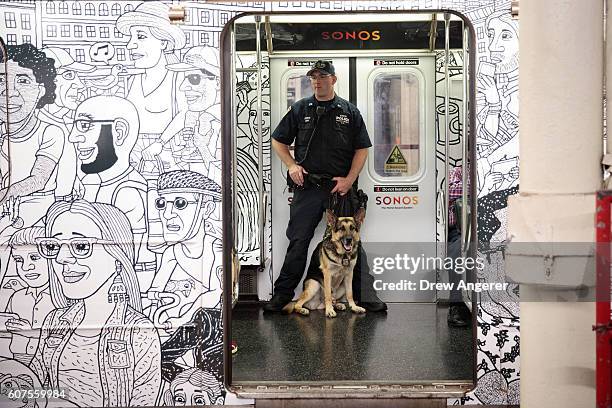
pixel 68 94
pixel 32 151
pixel 189 267
pixel 104 133
pixel 193 134
pixel 92 278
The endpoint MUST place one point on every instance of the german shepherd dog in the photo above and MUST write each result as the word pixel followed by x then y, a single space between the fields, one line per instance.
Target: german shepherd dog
pixel 337 258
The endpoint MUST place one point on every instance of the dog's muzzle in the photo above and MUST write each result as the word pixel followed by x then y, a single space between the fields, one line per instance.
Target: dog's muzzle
pixel 347 243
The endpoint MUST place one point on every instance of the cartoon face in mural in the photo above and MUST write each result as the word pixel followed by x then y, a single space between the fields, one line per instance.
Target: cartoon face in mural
pixel 31 266
pixel 145 49
pixel 179 211
pixel 194 387
pixel 503 42
pixel 265 119
pixel 185 199
pixel 200 88
pixel 151 34
pixel 86 243
pixel 201 81
pixel 29 81
pixel 69 84
pixel 68 87
pixel 24 91
pixel 104 132
pixel 14 375
pixel 74 247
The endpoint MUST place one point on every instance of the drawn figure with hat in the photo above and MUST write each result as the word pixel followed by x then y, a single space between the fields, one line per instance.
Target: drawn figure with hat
pixel 61 113
pixel 152 45
pixel 189 266
pixel 193 134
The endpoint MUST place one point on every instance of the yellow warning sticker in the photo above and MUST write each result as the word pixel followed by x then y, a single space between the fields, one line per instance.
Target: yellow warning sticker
pixel 396 162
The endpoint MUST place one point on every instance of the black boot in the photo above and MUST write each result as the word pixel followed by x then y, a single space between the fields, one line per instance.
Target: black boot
pixel 276 304
pixel 374 305
pixel 459 315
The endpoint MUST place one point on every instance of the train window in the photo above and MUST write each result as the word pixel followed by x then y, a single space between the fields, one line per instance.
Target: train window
pixel 396 130
pixel 298 87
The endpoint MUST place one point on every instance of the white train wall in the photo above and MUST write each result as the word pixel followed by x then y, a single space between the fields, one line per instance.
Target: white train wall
pixel 145 150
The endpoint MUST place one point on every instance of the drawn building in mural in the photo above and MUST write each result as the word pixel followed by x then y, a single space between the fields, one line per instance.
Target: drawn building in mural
pixel 18 22
pixel 77 25
pixel 204 21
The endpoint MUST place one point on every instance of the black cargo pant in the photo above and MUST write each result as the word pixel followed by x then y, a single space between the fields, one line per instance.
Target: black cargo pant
pixel 306 211
pixel 454 251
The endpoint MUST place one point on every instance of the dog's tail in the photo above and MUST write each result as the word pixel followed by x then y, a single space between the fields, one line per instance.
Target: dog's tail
pixel 289 308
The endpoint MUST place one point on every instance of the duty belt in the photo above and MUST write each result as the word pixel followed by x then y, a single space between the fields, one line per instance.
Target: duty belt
pixel 319 181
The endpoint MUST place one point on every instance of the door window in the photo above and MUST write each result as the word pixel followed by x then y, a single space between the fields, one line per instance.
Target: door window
pixel 397 129
pixel 298 87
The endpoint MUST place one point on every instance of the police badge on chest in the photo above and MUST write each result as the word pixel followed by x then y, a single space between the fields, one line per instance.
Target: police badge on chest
pixel 342 119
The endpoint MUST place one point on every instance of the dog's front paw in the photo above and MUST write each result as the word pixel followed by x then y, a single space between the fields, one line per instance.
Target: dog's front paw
pixel 357 309
pixel 329 312
pixel 302 310
pixel 340 306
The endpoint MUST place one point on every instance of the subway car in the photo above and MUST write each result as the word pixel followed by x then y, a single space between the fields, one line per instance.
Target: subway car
pixel 143 131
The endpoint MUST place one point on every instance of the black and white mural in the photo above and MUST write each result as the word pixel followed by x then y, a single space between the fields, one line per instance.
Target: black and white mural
pixel 110 266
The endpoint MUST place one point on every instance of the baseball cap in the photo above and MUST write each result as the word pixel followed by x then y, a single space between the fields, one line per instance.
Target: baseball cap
pixel 65 61
pixel 325 67
pixel 206 58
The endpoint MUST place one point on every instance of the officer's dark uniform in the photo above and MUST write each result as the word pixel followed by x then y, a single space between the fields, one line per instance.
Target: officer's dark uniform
pixel 340 131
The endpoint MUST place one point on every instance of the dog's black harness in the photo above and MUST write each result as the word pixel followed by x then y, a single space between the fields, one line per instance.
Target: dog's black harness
pixel 348 204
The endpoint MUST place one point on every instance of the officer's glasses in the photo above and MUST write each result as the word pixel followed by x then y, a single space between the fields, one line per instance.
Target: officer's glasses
pixel 179 203
pixel 80 248
pixel 318 77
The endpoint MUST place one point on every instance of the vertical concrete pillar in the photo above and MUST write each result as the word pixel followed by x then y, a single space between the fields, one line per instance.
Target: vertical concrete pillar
pixel 561 84
pixel 561 70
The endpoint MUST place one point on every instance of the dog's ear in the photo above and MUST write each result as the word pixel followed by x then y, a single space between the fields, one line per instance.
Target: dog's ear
pixel 359 217
pixel 331 218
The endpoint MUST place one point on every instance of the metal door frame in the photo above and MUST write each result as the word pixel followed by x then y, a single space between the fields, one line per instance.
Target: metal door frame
pixel 358 389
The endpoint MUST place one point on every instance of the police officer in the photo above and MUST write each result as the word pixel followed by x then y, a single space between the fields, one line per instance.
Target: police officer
pixel 331 147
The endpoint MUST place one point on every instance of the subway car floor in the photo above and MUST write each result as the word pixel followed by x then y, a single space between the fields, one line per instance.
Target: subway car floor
pixel 412 342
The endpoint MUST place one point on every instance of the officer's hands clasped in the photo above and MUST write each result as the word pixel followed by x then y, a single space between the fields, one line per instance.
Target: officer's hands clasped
pixel 343 185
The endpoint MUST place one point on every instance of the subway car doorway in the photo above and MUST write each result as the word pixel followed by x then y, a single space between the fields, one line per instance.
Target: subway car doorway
pixel 410 76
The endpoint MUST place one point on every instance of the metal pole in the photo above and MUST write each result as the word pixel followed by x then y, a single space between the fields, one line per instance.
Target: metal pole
pixel 233 145
pixel 446 122
pixel 260 181
pixel 433 32
pixel 465 145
